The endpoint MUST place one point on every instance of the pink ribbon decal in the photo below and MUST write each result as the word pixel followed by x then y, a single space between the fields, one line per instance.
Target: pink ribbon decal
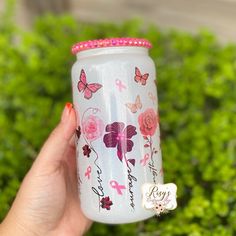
pixel 117 186
pixel 88 172
pixel 120 85
pixel 152 97
pixel 143 161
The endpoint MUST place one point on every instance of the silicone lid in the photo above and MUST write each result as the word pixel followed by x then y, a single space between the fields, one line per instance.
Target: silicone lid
pixel 111 42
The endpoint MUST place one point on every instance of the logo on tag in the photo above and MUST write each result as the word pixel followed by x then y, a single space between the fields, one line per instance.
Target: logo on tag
pixel 159 197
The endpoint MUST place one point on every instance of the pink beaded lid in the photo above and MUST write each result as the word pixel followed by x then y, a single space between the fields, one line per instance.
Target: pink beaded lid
pixel 111 42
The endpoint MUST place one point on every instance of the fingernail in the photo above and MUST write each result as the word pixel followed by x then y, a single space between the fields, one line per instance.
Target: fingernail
pixel 66 111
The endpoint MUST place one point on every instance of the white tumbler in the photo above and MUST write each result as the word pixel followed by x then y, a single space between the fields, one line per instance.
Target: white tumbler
pixel 118 145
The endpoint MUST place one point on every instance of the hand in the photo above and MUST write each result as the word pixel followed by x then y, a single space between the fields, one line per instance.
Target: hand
pixel 47 202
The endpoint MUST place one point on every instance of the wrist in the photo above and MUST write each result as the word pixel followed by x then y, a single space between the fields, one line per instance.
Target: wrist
pixel 11 226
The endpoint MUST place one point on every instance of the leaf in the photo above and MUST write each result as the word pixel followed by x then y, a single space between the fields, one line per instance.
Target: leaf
pixel 132 161
pixel 120 156
pixel 78 132
pixel 146 145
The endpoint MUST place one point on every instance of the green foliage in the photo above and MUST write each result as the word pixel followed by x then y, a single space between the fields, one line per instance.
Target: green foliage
pixel 196 82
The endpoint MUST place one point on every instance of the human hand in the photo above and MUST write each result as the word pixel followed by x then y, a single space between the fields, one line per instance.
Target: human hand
pixel 47 203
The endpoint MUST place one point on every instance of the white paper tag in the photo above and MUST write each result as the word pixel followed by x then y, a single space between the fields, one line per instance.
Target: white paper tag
pixel 159 197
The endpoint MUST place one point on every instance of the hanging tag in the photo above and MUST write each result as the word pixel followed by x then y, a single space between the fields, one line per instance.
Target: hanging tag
pixel 159 197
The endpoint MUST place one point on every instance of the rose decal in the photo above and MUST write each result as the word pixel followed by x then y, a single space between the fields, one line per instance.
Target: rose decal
pixel 92 127
pixel 148 121
pixel 120 136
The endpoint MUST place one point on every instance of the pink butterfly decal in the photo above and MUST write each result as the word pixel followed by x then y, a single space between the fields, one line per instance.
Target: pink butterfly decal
pixel 84 87
pixel 133 107
pixel 139 78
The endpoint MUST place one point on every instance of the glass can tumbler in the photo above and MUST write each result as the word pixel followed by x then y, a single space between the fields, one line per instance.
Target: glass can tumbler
pixel 118 135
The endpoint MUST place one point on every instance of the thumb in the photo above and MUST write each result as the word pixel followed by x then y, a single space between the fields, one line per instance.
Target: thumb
pixel 59 140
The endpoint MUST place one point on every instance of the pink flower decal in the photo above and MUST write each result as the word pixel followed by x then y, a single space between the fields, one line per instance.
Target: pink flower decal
pixel 119 136
pixel 92 127
pixel 148 121
pixel 106 203
pixel 86 150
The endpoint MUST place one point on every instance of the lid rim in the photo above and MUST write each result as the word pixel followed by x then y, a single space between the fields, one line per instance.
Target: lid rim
pixel 110 42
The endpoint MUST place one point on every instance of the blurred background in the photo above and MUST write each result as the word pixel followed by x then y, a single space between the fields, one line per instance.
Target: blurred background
pixel 217 15
pixel 194 50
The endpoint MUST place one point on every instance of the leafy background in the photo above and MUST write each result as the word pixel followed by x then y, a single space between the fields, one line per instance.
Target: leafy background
pixel 197 97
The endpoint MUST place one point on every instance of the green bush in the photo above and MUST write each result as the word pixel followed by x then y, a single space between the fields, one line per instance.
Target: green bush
pixel 197 97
